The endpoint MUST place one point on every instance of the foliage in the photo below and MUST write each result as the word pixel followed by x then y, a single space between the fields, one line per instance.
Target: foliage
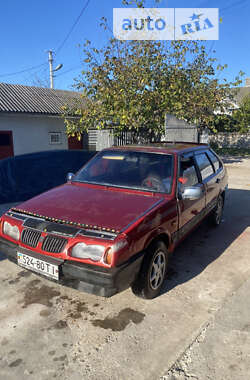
pixel 223 123
pixel 138 3
pixel 132 85
pixel 237 152
pixel 242 115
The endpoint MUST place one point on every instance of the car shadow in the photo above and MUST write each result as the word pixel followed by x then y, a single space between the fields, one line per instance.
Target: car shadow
pixel 232 159
pixel 206 243
pixel 2 256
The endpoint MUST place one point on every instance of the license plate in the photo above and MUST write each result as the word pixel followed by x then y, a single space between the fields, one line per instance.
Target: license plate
pixel 37 265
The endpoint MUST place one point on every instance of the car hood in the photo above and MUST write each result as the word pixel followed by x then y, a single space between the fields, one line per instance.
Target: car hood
pixel 100 207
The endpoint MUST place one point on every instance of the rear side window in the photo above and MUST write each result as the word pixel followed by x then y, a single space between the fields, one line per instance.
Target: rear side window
pixel 204 165
pixel 214 160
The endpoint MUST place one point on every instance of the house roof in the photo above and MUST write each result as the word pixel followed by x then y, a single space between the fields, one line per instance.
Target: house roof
pixel 240 93
pixel 16 98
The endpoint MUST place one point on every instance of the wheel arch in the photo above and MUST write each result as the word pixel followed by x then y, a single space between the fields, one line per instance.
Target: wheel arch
pixel 159 236
pixel 142 285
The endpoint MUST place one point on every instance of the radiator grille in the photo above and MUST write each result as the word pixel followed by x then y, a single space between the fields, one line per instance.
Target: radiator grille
pixel 30 237
pixel 53 244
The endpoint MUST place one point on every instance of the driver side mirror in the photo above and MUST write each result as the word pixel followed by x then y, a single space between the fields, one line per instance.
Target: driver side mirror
pixel 192 193
pixel 70 176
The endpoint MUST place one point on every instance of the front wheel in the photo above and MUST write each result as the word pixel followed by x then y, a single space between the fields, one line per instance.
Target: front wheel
pixel 153 271
pixel 216 214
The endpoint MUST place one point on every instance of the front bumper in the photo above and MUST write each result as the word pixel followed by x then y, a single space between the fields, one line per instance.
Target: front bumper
pixel 92 279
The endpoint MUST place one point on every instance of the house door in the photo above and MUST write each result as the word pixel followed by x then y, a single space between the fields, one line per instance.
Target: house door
pixel 74 143
pixel 6 144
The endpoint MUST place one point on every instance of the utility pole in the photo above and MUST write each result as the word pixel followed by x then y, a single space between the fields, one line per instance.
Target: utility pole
pixel 51 69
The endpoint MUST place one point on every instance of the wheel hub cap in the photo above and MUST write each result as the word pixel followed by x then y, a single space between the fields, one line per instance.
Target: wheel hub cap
pixel 157 270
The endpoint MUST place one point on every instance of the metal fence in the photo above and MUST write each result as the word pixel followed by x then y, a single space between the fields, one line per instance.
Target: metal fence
pixel 101 139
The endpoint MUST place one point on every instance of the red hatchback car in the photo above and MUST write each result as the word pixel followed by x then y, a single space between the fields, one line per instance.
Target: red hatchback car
pixel 114 223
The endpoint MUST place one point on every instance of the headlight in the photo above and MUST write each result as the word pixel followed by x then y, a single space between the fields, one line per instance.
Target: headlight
pixel 84 251
pixel 11 231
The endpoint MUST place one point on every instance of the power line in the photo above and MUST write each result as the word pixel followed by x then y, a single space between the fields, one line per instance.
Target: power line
pixel 240 2
pixel 228 7
pixel 73 26
pixel 67 71
pixel 225 10
pixel 23 71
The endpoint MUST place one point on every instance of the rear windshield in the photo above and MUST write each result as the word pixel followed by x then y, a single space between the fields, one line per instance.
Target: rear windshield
pixel 133 170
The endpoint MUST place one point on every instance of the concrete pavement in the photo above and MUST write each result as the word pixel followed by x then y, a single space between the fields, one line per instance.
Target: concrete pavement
pixel 222 349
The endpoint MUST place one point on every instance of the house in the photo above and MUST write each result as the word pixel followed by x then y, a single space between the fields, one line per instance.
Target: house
pixel 239 94
pixel 31 120
pixel 242 92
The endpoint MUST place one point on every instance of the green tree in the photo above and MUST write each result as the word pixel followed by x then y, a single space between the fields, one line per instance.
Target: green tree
pixel 242 115
pixel 223 123
pixel 132 85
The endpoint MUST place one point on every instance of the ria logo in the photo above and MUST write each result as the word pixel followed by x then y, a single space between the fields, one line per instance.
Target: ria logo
pixel 197 24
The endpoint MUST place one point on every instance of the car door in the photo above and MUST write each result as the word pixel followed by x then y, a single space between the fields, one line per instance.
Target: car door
pixel 209 178
pixel 190 211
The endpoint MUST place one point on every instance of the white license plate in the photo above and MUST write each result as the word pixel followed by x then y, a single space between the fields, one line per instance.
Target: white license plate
pixel 37 265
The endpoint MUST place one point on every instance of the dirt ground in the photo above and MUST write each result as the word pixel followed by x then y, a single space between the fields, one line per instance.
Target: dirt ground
pixel 51 332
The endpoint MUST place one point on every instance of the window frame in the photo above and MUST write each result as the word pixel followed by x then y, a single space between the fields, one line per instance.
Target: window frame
pixel 219 160
pixel 189 155
pixel 197 153
pixel 58 134
pixel 109 152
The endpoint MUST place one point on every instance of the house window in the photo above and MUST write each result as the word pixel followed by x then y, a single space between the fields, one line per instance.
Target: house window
pixel 55 138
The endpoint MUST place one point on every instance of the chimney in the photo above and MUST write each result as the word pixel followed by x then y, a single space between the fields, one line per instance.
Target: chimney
pixel 247 82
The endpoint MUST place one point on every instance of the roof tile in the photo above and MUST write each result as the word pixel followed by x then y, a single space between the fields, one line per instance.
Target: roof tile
pixel 30 99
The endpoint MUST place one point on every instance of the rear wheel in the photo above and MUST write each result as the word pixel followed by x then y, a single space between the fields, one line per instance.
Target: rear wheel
pixel 153 271
pixel 216 214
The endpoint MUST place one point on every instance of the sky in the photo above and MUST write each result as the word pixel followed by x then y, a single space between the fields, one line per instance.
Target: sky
pixel 28 29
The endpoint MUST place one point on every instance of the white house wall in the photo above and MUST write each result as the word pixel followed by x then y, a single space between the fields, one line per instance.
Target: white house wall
pixel 31 132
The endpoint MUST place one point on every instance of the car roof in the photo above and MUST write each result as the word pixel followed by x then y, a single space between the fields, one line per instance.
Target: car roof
pixel 162 147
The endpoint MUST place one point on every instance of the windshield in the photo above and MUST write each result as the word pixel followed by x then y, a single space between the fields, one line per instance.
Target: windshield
pixel 134 170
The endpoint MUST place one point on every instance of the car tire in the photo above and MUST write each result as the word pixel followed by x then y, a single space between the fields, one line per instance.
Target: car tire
pixel 153 271
pixel 216 215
